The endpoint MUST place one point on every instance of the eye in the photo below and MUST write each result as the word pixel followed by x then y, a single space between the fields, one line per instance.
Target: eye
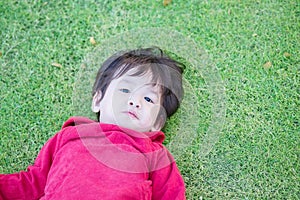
pixel 124 90
pixel 148 99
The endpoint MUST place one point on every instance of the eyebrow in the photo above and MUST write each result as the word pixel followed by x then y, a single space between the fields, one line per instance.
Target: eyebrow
pixel 129 80
pixel 153 92
pixel 157 93
pixel 126 81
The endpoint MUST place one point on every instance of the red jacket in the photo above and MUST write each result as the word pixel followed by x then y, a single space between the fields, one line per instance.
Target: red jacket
pixel 89 160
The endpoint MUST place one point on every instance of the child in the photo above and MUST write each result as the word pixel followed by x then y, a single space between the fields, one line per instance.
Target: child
pixel 121 156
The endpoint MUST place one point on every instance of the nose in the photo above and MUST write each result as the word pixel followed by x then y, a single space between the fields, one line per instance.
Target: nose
pixel 134 103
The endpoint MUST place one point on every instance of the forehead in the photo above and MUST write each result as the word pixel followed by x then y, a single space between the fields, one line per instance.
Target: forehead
pixel 142 80
pixel 130 77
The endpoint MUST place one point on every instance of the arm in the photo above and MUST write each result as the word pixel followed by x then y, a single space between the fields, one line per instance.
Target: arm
pixel 30 184
pixel 168 184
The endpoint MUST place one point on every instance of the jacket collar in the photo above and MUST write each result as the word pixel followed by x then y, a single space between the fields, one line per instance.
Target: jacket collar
pixel 155 136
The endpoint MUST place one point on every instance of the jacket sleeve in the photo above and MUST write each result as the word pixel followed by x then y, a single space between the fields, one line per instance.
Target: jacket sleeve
pixel 167 183
pixel 30 184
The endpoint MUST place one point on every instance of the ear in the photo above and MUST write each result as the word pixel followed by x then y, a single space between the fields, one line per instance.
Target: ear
pixel 96 101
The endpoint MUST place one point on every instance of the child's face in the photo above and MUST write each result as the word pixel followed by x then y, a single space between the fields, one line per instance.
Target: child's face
pixel 130 101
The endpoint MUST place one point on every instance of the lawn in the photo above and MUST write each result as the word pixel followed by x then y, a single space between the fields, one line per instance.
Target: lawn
pixel 239 124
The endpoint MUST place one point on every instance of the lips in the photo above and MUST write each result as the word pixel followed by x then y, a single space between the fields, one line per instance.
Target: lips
pixel 132 114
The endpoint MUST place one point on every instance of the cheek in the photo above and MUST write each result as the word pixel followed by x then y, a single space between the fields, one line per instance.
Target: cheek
pixel 119 99
pixel 118 105
pixel 153 112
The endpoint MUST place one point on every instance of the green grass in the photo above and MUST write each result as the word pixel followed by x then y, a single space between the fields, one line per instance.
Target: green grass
pixel 257 152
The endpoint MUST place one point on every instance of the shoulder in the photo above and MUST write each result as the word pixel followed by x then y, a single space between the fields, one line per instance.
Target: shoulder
pixel 72 127
pixel 75 121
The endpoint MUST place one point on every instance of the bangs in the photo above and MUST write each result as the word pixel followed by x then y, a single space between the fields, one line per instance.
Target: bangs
pixel 160 74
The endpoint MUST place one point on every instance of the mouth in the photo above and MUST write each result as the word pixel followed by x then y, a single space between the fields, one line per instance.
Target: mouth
pixel 132 114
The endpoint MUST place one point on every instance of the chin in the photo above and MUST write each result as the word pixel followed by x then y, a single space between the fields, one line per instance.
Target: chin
pixel 137 128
